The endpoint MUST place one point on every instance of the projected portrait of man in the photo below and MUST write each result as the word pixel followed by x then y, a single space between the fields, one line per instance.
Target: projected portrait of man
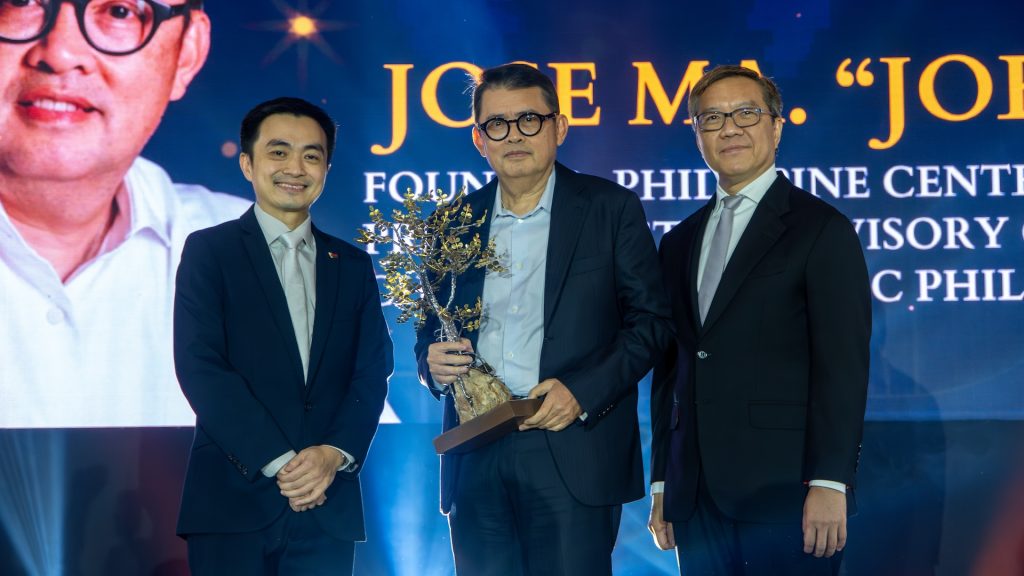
pixel 90 233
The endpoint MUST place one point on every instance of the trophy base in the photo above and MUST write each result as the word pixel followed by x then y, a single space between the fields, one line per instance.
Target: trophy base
pixel 487 427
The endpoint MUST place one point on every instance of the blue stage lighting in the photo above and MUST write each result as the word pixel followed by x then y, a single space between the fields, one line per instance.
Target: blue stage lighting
pixel 32 497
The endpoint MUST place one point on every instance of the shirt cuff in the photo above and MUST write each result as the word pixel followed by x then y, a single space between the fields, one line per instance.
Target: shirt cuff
pixel 659 487
pixel 271 470
pixel 348 463
pixel 837 486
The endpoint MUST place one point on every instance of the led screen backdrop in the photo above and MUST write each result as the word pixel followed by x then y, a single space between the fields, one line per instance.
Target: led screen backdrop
pixel 906 116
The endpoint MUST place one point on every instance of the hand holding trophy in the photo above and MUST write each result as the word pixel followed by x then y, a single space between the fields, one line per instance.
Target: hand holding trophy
pixel 420 276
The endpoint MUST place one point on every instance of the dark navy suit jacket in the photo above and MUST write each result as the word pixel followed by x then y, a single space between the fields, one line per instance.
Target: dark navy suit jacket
pixel 238 363
pixel 605 321
pixel 769 393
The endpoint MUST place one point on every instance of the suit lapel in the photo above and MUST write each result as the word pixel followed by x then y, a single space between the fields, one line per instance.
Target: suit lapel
pixel 568 212
pixel 327 282
pixel 263 266
pixel 762 232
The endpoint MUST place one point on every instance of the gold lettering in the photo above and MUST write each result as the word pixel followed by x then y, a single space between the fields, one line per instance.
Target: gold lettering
pixel 752 65
pixel 1015 78
pixel 648 82
pixel 399 109
pixel 429 94
pixel 897 104
pixel 566 92
pixel 930 100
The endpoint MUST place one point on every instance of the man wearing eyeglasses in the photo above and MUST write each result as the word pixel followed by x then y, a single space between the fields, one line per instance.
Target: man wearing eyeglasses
pixel 90 233
pixel 758 410
pixel 577 319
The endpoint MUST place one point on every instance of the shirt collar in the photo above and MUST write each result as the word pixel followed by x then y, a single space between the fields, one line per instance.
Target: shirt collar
pixel 543 204
pixel 754 191
pixel 146 201
pixel 123 227
pixel 273 228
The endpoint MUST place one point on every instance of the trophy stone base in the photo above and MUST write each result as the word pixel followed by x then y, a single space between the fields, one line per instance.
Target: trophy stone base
pixel 487 427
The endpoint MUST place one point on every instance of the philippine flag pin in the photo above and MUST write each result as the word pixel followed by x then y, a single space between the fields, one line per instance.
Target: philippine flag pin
pixel 332 255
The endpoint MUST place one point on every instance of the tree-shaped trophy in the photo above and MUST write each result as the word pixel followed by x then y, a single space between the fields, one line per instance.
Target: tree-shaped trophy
pixel 420 275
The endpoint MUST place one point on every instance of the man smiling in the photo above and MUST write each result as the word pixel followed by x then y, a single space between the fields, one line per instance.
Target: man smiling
pixel 90 232
pixel 758 411
pixel 282 349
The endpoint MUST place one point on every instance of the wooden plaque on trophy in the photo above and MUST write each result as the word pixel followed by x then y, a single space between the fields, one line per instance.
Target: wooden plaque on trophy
pixel 488 427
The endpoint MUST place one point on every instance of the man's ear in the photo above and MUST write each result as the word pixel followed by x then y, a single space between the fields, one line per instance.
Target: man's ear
pixel 561 128
pixel 478 141
pixel 195 47
pixel 245 163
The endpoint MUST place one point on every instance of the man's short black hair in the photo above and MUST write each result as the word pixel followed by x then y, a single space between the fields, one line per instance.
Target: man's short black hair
pixel 250 131
pixel 513 76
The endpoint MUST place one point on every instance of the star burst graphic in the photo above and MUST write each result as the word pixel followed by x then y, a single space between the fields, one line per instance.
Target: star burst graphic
pixel 302 27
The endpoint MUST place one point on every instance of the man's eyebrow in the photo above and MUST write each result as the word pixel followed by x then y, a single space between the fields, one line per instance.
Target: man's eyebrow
pixel 517 115
pixel 317 147
pixel 744 104
pixel 279 142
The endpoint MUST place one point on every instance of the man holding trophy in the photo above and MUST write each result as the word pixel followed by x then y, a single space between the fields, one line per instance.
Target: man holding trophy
pixel 574 315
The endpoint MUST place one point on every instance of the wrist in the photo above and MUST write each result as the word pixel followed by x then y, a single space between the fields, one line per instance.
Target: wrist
pixel 334 456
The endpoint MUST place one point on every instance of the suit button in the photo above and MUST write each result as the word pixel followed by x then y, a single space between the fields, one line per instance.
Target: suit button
pixel 702 355
pixel 309 406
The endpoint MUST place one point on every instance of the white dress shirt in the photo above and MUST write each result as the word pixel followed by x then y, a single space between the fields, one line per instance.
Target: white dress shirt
pixel 95 351
pixel 272 229
pixel 751 195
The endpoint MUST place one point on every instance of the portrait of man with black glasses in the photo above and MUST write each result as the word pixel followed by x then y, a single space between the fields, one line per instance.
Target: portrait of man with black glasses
pixel 90 232
pixel 577 320
pixel 758 410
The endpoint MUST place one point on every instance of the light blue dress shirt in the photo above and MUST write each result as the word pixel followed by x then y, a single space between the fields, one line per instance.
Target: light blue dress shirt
pixel 512 330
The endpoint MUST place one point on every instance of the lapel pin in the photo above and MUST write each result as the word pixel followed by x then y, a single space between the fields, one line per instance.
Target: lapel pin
pixel 332 255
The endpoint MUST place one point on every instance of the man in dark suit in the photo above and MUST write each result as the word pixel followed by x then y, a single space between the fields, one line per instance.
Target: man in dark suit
pixel 282 350
pixel 759 409
pixel 577 319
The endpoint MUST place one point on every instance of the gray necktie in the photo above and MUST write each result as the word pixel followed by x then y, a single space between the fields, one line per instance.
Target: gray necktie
pixel 295 293
pixel 715 265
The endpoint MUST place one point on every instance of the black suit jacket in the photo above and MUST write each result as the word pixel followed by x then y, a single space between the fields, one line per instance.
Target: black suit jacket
pixel 605 322
pixel 238 363
pixel 770 391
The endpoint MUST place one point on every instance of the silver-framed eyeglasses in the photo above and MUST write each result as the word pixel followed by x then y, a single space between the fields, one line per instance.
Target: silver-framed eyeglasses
pixel 743 118
pixel 528 123
pixel 115 27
